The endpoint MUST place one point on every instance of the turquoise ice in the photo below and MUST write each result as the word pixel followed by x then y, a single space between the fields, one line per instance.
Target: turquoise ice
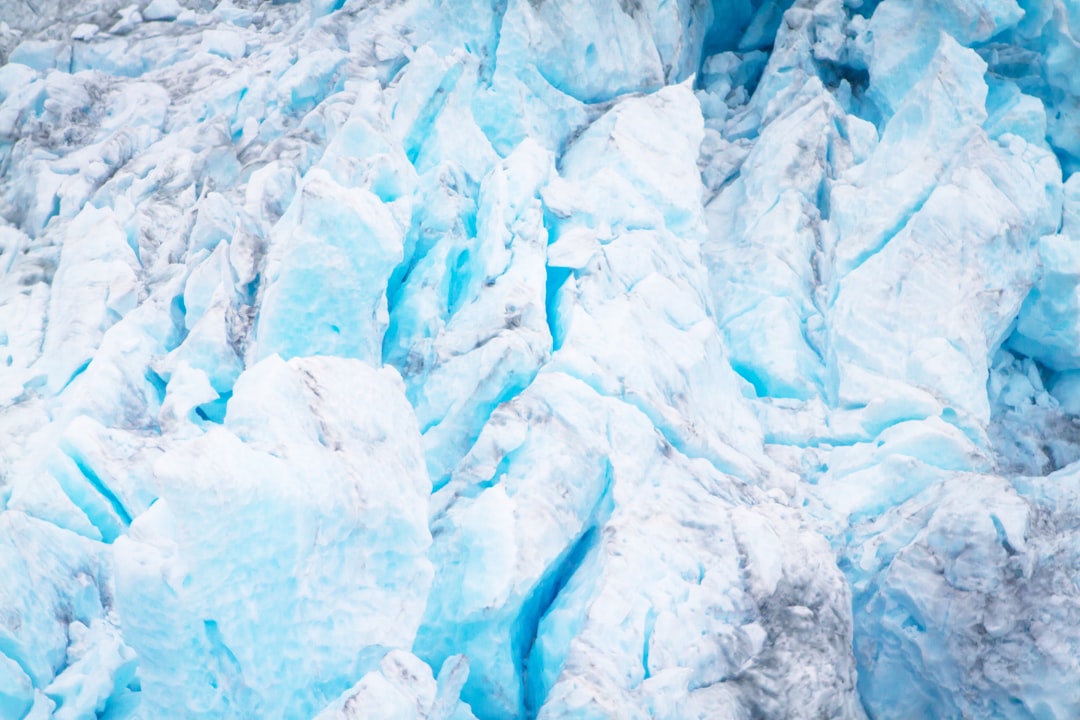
pixel 539 359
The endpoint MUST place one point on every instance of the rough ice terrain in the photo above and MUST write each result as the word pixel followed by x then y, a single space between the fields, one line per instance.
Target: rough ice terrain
pixel 502 359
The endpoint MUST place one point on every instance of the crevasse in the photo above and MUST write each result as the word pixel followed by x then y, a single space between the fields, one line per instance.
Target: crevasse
pixel 539 359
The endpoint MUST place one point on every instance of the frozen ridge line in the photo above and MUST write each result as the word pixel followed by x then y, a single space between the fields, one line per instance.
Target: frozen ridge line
pixel 623 359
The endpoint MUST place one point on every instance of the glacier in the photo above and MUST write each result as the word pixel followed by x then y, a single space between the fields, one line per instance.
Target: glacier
pixel 497 359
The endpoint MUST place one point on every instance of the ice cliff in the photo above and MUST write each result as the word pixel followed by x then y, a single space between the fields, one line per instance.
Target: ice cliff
pixel 462 359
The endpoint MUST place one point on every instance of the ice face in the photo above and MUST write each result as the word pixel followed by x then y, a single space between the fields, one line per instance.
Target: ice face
pixel 322 511
pixel 620 359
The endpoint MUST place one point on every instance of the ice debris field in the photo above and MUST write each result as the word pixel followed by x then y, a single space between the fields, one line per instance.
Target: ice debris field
pixel 453 359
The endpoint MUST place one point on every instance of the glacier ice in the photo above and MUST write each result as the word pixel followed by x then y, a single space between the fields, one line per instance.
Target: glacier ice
pixel 311 523
pixel 521 359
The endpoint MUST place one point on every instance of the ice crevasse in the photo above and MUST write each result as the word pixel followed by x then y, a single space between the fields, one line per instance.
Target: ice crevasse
pixel 542 359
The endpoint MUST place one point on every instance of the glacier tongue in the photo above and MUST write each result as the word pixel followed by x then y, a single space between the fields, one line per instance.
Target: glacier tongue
pixel 522 359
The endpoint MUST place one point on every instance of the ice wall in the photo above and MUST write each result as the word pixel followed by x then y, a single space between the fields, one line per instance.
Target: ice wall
pixel 538 359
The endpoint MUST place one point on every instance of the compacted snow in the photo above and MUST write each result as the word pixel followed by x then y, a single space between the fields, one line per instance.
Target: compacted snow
pixel 537 358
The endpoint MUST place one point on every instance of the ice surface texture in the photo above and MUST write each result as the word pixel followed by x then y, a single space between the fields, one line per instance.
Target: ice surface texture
pixel 539 359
